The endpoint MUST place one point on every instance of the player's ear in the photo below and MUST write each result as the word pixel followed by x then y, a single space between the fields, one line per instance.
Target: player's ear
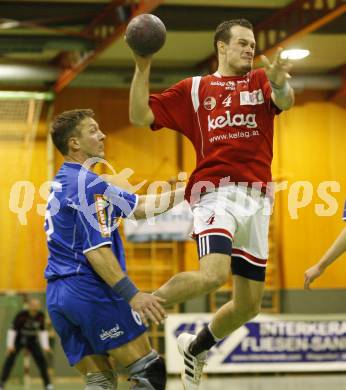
pixel 221 47
pixel 73 143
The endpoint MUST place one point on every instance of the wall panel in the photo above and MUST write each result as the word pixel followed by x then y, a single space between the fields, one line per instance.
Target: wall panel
pixel 312 141
pixel 24 253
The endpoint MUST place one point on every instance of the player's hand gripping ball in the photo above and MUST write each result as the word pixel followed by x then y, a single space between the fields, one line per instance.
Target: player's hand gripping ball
pixel 145 34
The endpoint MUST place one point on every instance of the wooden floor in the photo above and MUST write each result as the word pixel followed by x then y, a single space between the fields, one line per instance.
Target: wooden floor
pixel 298 382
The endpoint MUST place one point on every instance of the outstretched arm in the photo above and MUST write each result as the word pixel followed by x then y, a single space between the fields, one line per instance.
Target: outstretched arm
pixel 151 205
pixel 139 110
pixel 277 73
pixel 337 248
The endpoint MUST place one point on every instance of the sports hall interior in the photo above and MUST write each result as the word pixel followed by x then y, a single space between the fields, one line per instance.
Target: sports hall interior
pixel 73 51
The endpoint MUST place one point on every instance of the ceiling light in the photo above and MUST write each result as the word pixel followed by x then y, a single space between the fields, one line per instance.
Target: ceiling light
pixel 295 54
pixel 8 23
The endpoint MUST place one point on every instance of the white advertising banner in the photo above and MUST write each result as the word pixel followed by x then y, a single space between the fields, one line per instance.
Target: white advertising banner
pixel 269 343
pixel 174 225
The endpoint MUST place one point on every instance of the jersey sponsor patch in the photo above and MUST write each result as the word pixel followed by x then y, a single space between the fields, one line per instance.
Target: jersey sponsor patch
pixel 209 103
pixel 253 98
pixel 229 85
pixel 101 205
pixel 243 82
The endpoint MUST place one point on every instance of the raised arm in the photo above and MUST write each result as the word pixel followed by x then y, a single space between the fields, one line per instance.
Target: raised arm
pixel 337 249
pixel 139 111
pixel 105 264
pixel 277 73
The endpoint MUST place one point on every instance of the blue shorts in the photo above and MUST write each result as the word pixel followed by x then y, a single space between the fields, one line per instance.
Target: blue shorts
pixel 89 317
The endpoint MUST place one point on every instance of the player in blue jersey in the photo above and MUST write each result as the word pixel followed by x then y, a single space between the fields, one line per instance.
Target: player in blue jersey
pixel 94 306
pixel 333 253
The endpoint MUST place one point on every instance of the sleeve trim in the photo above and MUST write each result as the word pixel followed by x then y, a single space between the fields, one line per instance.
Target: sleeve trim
pixel 277 109
pixel 194 92
pixel 97 246
pixel 134 207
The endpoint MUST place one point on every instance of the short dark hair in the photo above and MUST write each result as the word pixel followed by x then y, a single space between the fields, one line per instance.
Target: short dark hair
pixel 65 126
pixel 223 30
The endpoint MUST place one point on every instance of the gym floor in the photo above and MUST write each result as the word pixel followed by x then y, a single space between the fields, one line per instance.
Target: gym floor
pixel 284 382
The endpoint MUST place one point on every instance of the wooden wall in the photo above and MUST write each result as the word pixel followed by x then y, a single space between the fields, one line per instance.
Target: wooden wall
pixel 23 250
pixel 310 142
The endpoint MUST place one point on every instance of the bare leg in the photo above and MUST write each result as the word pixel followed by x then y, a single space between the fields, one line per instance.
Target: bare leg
pixel 132 351
pixel 213 273
pixel 93 363
pixel 97 372
pixel 246 303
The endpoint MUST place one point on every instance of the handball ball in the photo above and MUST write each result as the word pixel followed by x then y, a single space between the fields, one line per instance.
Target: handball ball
pixel 145 34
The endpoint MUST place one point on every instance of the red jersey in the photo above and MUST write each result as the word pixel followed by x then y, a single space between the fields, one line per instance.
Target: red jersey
pixel 229 120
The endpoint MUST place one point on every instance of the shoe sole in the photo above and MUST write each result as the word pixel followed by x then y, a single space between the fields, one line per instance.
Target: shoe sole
pixel 183 370
pixel 183 381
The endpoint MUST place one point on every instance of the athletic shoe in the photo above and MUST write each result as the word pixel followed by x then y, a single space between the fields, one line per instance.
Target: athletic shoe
pixel 193 365
pixel 48 387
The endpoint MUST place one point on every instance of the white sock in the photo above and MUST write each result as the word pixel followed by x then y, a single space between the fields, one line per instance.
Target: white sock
pixel 211 332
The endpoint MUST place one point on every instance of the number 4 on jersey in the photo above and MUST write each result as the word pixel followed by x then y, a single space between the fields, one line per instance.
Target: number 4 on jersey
pixel 227 101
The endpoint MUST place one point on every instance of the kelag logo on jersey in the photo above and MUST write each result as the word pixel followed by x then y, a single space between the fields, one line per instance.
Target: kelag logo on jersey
pixel 236 120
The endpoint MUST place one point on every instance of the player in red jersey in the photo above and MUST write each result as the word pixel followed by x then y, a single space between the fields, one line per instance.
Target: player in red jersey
pixel 228 116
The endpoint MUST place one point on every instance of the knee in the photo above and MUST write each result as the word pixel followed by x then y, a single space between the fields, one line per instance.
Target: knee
pixel 249 311
pixel 107 380
pixel 254 309
pixel 215 280
pixel 149 373
pixel 215 268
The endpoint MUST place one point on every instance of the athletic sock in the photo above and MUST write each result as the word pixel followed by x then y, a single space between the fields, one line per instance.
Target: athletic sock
pixel 203 342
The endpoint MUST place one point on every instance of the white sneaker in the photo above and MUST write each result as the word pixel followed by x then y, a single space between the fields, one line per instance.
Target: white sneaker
pixel 193 365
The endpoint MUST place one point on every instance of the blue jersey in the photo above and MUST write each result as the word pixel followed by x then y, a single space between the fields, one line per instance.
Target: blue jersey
pixel 82 215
